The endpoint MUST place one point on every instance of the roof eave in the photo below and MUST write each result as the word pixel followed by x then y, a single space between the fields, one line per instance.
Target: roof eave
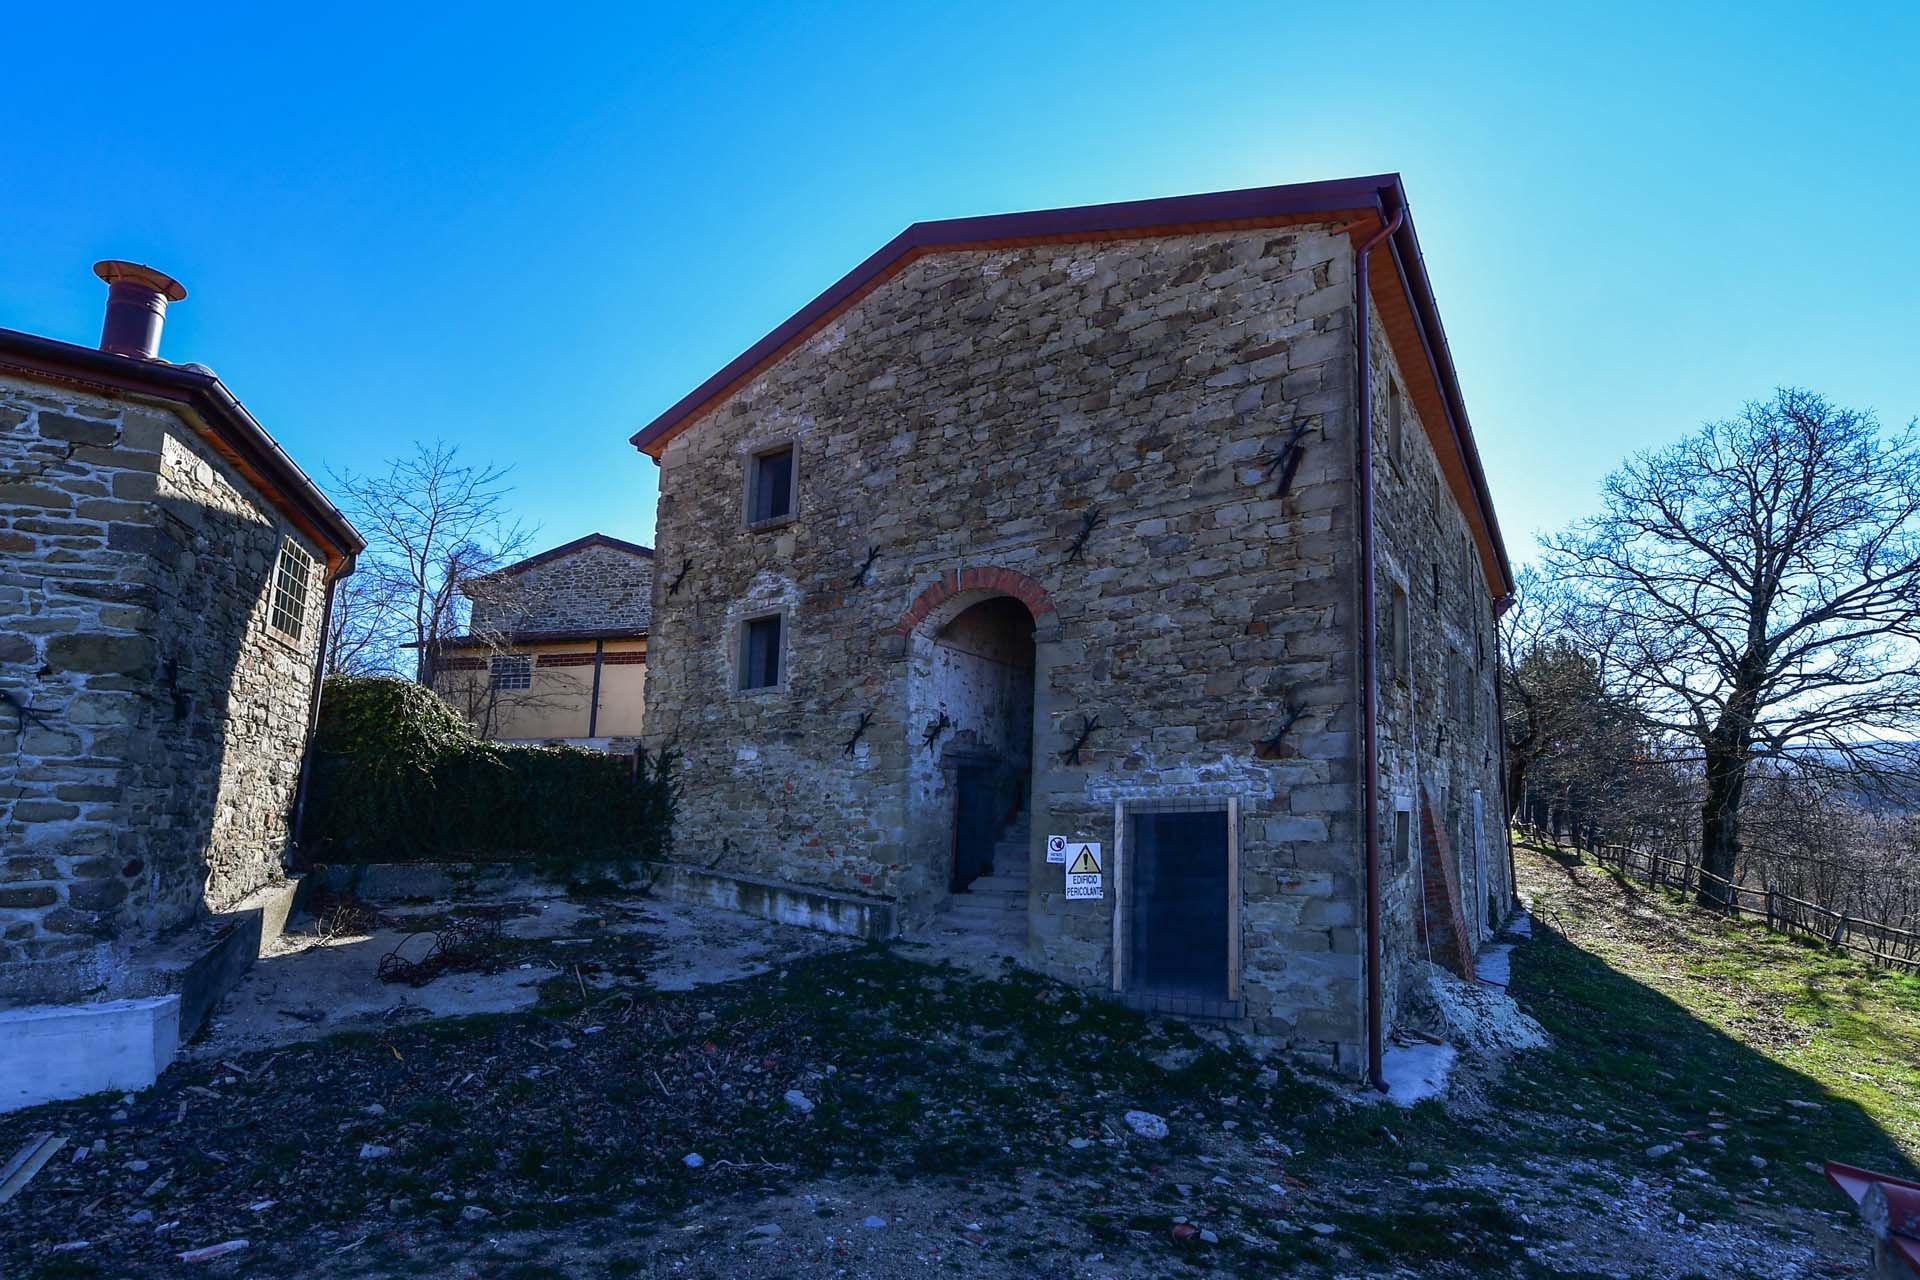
pixel 221 416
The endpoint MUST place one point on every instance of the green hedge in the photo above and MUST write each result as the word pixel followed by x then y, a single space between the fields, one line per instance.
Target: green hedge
pixel 397 774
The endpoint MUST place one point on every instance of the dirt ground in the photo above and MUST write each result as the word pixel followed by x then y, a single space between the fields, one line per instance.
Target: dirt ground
pixel 825 1111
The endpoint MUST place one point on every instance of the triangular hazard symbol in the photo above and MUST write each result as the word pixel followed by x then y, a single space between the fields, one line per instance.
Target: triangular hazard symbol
pixel 1084 864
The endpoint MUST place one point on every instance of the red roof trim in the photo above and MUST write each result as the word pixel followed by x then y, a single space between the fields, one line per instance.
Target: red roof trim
pixel 1214 211
pixel 232 430
pixel 510 638
pixel 568 548
pixel 1379 195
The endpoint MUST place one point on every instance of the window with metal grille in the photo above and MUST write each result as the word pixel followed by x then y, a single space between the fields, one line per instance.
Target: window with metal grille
pixel 513 671
pixel 760 652
pixel 292 581
pixel 770 485
pixel 1177 925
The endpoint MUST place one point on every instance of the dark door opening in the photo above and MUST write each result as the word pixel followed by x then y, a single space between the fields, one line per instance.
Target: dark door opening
pixel 979 673
pixel 976 823
pixel 1177 943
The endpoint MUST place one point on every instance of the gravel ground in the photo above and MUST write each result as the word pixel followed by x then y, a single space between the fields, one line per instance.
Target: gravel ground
pixel 867 1113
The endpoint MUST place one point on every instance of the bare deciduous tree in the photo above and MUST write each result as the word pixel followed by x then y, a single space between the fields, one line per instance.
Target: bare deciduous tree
pixel 1759 587
pixel 433 523
pixel 362 630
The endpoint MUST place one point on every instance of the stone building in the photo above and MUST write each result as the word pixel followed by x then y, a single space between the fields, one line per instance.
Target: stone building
pixel 556 647
pixel 1059 525
pixel 165 577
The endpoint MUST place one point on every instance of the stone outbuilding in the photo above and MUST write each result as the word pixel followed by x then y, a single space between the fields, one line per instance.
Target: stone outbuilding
pixel 165 578
pixel 1025 582
pixel 556 647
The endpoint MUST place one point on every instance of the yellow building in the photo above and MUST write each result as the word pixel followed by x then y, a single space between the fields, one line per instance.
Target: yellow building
pixel 557 647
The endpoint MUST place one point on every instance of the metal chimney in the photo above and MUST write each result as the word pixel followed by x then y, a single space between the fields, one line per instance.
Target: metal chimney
pixel 137 299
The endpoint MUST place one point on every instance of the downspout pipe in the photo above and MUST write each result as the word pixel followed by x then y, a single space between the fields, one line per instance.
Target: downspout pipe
pixel 1369 661
pixel 1507 800
pixel 313 711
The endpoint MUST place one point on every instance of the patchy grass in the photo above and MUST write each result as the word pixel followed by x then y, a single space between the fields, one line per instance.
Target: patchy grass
pixel 554 1142
pixel 1805 1053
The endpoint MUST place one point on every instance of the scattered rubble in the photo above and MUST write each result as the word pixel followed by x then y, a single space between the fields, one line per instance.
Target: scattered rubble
pixel 1146 1124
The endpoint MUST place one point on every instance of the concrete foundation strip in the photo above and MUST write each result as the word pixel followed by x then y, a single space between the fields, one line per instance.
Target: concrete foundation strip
pixel 26 1162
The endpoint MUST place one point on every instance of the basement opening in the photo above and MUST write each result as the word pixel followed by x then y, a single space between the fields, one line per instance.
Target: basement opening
pixel 1177 930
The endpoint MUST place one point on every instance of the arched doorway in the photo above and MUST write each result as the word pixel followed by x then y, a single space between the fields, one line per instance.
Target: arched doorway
pixel 982 675
pixel 971 725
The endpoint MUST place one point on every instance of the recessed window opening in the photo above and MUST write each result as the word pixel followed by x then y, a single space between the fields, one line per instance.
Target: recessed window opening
pixel 770 485
pixel 1396 424
pixel 1402 837
pixel 292 581
pixel 1399 635
pixel 512 671
pixel 760 652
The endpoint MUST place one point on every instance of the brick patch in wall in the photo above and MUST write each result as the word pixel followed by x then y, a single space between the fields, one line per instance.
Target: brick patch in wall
pixel 1443 925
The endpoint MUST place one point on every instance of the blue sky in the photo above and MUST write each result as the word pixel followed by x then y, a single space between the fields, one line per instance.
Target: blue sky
pixel 531 229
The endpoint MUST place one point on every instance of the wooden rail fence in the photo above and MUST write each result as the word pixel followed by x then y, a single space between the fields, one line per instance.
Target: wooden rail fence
pixel 1881 943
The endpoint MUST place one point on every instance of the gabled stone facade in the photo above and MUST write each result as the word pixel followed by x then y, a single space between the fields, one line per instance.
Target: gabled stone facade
pixel 152 716
pixel 595 583
pixel 567 629
pixel 1139 453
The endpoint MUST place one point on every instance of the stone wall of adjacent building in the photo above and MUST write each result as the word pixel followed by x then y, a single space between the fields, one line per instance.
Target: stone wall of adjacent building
pixel 151 735
pixel 1438 728
pixel 976 411
pixel 596 587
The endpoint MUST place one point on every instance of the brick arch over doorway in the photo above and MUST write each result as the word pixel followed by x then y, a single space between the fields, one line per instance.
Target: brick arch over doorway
pixel 979 582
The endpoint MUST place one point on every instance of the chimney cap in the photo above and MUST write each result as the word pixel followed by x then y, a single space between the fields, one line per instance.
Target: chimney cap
pixel 113 269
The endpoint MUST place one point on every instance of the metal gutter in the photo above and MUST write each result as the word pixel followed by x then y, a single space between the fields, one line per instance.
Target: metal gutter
pixel 233 428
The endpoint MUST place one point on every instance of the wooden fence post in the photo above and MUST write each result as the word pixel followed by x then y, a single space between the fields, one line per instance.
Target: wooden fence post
pixel 1769 907
pixel 1839 932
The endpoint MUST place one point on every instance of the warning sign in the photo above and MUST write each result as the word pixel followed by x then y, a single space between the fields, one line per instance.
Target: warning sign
pixel 1083 870
pixel 1056 848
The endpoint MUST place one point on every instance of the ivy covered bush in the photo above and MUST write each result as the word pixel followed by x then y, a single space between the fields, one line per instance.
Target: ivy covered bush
pixel 397 774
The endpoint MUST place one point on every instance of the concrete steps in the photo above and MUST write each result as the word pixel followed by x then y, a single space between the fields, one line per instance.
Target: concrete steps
pixel 992 913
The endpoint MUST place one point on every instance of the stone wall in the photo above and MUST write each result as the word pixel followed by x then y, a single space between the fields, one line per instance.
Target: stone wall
pixel 596 587
pixel 975 411
pixel 151 772
pixel 1438 730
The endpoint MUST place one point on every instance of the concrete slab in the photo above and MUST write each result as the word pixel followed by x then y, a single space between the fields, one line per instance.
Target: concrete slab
pixel 310 984
pixel 51 1052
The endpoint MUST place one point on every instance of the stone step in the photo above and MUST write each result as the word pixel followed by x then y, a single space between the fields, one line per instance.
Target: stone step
pixel 987 904
pixel 997 883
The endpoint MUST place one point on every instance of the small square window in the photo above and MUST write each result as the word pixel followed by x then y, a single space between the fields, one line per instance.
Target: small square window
pixel 770 485
pixel 760 653
pixel 292 582
pixel 513 671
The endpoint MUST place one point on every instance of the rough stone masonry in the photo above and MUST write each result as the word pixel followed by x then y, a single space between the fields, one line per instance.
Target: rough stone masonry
pixel 1148 440
pixel 153 713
